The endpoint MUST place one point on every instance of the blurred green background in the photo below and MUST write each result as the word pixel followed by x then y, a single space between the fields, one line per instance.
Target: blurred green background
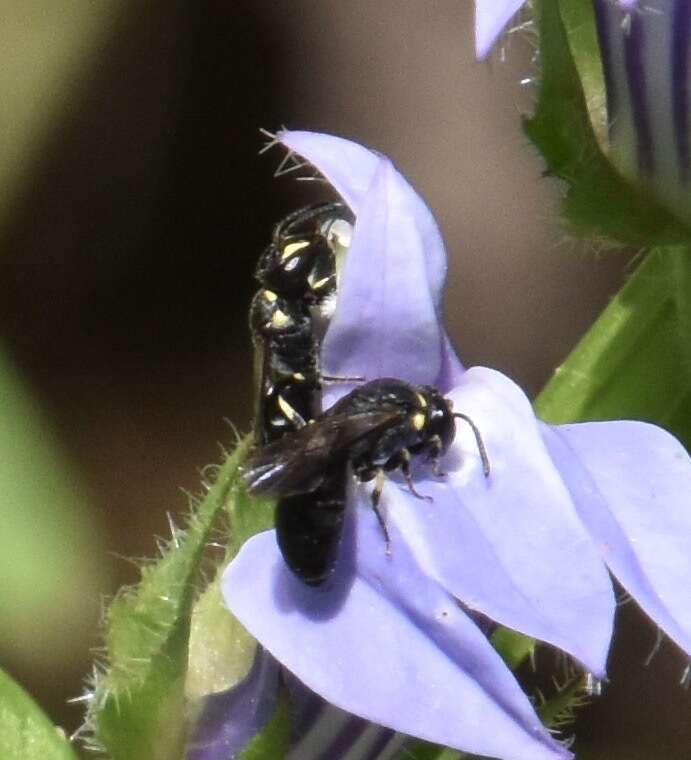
pixel 133 206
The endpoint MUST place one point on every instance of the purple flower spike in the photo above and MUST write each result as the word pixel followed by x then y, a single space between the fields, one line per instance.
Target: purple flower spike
pixel 388 638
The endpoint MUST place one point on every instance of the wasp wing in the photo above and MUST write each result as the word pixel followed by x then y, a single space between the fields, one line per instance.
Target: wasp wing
pixel 297 462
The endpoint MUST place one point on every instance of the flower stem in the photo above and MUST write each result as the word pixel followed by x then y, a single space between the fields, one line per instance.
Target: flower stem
pixel 634 361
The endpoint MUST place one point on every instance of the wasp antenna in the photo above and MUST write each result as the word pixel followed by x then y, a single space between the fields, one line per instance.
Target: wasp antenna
pixel 478 440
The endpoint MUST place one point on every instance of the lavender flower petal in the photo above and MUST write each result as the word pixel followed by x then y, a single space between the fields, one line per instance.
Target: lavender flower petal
pixel 451 369
pixel 395 649
pixel 389 301
pixel 510 546
pixel 491 18
pixel 631 483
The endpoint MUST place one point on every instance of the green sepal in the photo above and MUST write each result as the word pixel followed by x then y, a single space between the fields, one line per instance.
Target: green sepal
pixel 138 707
pixel 634 362
pixel 515 648
pixel 26 732
pixel 599 201
pixel 428 751
pixel 274 740
pixel 248 516
pixel 221 650
pixel 559 710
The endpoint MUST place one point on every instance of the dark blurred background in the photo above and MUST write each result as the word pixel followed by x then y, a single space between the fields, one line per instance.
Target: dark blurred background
pixel 133 207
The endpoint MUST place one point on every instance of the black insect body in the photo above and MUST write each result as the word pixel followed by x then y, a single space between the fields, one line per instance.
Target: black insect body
pixel 378 427
pixel 286 359
pixel 309 526
pixel 298 274
pixel 302 259
pixel 288 317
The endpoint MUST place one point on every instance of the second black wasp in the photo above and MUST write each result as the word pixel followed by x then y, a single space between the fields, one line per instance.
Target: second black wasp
pixel 298 276
pixel 380 426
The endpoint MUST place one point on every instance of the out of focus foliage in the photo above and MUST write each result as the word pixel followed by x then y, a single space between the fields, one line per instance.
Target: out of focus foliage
pixel 50 551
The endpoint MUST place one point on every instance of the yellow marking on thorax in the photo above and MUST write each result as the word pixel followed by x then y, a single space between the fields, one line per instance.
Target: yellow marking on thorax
pixel 418 420
pixel 269 296
pixel 421 399
pixel 298 376
pixel 292 248
pixel 280 319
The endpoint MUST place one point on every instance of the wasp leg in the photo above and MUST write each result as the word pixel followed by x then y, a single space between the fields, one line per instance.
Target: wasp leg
pixel 374 499
pixel 435 456
pixel 405 469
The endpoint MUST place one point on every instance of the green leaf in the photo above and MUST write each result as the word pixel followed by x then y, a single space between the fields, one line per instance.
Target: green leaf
pixel 427 751
pixel 634 361
pixel 599 201
pixel 221 650
pixel 51 550
pixel 138 708
pixel 560 710
pixel 248 516
pixel 47 50
pixel 514 647
pixel 579 25
pixel 26 733
pixel 274 740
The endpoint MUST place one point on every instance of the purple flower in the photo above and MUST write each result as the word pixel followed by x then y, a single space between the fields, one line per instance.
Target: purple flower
pixel 645 50
pixel 645 56
pixel 528 547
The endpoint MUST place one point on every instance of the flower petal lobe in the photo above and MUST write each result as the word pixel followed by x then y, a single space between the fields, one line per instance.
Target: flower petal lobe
pixel 395 649
pixel 387 320
pixel 510 546
pixel 631 483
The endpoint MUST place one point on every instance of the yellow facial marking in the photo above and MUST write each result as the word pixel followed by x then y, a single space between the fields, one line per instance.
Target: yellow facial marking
pixel 298 376
pixel 319 283
pixel 280 319
pixel 269 296
pixel 421 400
pixel 418 421
pixel 292 248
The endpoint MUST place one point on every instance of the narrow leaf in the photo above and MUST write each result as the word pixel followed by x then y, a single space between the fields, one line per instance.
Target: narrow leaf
pixel 221 650
pixel 138 707
pixel 26 733
pixel 51 550
pixel 274 740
